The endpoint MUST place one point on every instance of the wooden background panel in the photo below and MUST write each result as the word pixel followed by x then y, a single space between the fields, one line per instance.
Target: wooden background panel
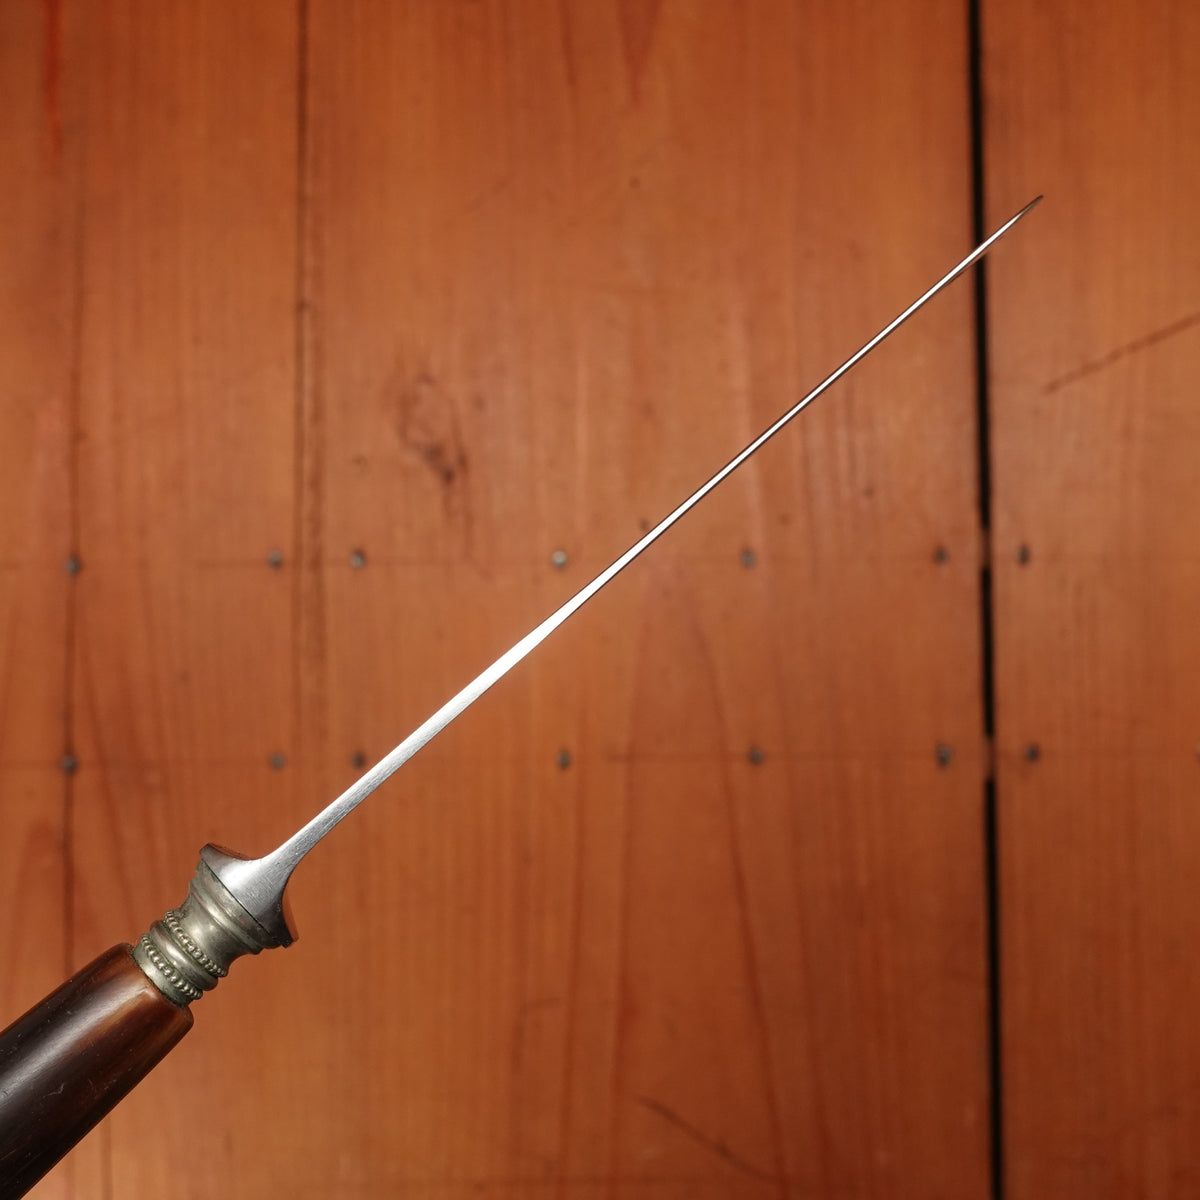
pixel 576 255
pixel 37 295
pixel 36 316
pixel 1095 350
pixel 1099 975
pixel 181 127
pixel 419 294
pixel 383 459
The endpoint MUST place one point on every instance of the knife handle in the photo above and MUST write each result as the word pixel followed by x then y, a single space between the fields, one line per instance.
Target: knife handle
pixel 69 1059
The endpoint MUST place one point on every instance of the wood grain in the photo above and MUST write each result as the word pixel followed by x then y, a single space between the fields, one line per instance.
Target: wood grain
pixel 1095 345
pixel 37 296
pixel 576 255
pixel 418 295
pixel 183 118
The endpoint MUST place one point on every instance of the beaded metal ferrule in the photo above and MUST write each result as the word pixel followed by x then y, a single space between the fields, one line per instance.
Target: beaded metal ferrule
pixel 189 951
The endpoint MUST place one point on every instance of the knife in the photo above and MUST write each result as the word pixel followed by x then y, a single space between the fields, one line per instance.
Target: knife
pixel 68 1061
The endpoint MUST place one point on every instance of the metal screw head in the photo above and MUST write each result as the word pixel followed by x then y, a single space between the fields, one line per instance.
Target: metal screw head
pixel 358 760
pixel 1024 554
pixel 358 559
pixel 68 764
pixel 941 555
pixel 275 559
pixel 1033 752
pixel 73 565
pixel 944 753
pixel 749 558
pixel 559 559
pixel 563 759
pixel 278 761
pixel 756 755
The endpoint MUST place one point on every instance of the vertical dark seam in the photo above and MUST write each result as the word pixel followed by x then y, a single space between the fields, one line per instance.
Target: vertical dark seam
pixel 300 382
pixel 77 174
pixel 71 565
pixel 986 611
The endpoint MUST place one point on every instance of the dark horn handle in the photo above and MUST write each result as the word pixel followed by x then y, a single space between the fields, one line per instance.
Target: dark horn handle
pixel 70 1059
pixel 67 1062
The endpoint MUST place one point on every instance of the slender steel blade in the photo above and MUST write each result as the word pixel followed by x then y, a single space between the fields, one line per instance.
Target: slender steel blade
pixel 258 884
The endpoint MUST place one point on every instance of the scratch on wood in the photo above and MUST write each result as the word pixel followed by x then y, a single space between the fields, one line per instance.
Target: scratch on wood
pixel 717 1146
pixel 746 930
pixel 1113 356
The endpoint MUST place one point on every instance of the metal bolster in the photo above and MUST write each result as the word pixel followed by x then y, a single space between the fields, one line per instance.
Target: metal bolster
pixel 187 952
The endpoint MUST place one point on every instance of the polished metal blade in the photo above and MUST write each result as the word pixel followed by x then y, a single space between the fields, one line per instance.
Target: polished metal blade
pixel 258 884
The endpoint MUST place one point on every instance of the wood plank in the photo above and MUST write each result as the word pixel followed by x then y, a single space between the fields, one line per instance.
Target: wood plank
pixel 184 118
pixel 1095 350
pixel 568 259
pixel 37 292
pixel 1103 850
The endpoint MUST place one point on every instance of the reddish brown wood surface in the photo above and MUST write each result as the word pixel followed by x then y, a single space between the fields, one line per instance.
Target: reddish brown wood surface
pixel 1095 322
pixel 439 289
pixel 66 1062
pixel 36 317
pixel 185 684
pixel 572 258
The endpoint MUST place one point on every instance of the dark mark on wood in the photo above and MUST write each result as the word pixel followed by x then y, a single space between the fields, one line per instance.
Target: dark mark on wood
pixel 1113 356
pixel 714 1144
pixel 429 428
